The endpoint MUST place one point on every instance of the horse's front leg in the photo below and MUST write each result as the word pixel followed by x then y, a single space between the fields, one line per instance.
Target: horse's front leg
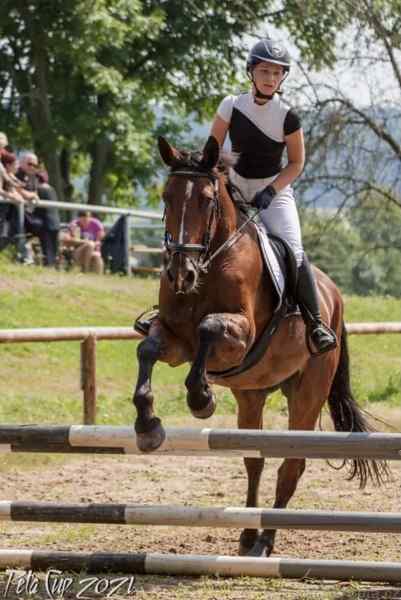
pixel 223 342
pixel 160 344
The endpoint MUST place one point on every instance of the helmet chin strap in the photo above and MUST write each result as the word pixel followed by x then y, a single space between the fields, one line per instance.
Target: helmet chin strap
pixel 259 94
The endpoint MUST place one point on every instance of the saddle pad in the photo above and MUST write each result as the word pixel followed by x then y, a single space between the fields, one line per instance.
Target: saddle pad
pixel 271 263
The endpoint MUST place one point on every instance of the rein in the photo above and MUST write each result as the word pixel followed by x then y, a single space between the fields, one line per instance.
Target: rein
pixel 174 247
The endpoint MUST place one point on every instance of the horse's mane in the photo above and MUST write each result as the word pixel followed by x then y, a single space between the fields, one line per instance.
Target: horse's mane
pixel 192 160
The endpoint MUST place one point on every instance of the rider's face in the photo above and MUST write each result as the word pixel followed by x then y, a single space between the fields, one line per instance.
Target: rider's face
pixel 268 77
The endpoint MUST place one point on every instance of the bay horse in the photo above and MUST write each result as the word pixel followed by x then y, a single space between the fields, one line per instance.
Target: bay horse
pixel 212 311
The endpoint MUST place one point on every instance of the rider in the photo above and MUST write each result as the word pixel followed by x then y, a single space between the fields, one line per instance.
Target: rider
pixel 261 127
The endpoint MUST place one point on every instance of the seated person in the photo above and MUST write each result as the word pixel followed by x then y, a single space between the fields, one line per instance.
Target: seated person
pixel 4 150
pixel 85 235
pixel 11 220
pixel 8 190
pixel 42 221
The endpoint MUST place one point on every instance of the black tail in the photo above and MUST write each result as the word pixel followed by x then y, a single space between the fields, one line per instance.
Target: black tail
pixel 347 416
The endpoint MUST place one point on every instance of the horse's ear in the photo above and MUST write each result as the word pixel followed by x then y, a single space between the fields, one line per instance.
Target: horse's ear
pixel 169 154
pixel 211 153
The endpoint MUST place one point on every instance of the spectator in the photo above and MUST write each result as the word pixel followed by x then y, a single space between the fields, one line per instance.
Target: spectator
pixel 85 235
pixel 3 150
pixel 50 217
pixel 10 223
pixel 43 222
pixel 8 162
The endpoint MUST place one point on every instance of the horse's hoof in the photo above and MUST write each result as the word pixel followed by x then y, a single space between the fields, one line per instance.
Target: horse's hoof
pixel 206 411
pixel 247 542
pixel 151 440
pixel 260 549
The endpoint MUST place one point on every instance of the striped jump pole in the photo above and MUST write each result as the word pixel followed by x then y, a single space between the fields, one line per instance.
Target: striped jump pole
pixel 187 516
pixel 187 442
pixel 176 564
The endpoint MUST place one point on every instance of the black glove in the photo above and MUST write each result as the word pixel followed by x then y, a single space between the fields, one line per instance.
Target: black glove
pixel 263 199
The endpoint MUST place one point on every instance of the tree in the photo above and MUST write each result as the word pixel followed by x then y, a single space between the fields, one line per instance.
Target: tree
pixel 333 245
pixel 360 249
pixel 377 265
pixel 85 76
pixel 353 119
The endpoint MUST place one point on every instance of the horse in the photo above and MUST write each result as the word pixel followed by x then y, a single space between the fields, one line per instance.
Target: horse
pixel 215 299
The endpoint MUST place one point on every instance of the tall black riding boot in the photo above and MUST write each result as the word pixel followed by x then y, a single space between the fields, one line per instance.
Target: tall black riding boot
pixel 322 337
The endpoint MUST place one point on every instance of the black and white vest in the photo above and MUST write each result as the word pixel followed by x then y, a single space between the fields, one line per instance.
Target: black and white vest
pixel 257 133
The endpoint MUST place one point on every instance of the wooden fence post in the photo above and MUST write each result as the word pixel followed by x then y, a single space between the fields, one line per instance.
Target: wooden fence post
pixel 88 378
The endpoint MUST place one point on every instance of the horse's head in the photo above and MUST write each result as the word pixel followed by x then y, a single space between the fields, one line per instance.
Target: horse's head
pixel 191 209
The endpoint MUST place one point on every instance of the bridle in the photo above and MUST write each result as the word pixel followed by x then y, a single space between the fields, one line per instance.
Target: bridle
pixel 174 247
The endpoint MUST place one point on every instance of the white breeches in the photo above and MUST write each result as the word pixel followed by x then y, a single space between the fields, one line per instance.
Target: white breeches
pixel 281 218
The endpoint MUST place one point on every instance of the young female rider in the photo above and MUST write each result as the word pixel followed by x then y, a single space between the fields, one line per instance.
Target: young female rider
pixel 261 127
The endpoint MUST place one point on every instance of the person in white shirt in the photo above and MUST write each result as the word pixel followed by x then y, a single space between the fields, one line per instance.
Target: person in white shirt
pixel 261 127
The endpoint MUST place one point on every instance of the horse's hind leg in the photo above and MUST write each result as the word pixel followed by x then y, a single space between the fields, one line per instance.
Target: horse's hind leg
pixel 158 345
pixel 250 416
pixel 306 395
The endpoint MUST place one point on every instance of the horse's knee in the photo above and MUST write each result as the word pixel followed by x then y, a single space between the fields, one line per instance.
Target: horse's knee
pixel 149 350
pixel 210 328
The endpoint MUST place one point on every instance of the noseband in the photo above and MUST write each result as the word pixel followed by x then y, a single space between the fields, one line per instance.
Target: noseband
pixel 174 247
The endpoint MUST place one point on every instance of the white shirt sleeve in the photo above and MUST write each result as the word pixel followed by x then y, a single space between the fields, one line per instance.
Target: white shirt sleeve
pixel 225 108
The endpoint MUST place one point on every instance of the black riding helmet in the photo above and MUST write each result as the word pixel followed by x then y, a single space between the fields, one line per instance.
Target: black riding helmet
pixel 267 50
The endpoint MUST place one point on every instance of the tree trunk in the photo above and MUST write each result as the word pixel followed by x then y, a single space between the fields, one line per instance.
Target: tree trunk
pixel 42 130
pixel 100 153
pixel 65 169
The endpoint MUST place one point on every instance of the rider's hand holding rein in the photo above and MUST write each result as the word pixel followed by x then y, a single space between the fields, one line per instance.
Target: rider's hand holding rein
pixel 264 198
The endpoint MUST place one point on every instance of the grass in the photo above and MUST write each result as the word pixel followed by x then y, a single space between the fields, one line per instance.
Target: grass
pixel 40 381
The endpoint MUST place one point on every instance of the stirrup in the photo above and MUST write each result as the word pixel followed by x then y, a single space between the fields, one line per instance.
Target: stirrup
pixel 144 321
pixel 330 335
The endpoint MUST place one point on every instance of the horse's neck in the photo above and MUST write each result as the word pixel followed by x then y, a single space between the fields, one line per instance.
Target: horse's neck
pixel 229 214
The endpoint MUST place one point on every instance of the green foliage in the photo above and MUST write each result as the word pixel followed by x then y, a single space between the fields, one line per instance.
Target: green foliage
pixel 378 269
pixel 332 245
pixel 40 381
pixel 361 251
pixel 86 76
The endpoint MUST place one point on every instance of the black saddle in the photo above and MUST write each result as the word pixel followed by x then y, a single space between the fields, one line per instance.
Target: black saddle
pixel 286 306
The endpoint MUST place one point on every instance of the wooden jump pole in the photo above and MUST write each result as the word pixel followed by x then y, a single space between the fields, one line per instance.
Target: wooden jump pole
pixel 67 334
pixel 176 564
pixel 63 334
pixel 187 442
pixel 188 516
